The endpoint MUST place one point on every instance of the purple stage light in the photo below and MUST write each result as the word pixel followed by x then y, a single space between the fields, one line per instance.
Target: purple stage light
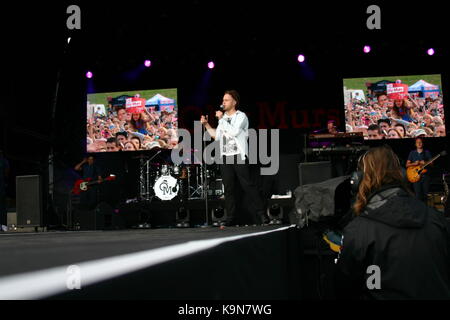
pixel 301 58
pixel 147 63
pixel 430 51
pixel 89 75
pixel 367 49
pixel 211 65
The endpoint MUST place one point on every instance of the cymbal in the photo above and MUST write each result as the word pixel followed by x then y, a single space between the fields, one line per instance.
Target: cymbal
pixel 141 156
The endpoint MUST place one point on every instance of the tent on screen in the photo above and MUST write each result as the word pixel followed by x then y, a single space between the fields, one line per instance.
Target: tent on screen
pixel 163 103
pixel 353 94
pixel 424 89
pixel 378 87
pixel 119 101
pixel 358 95
pixel 96 109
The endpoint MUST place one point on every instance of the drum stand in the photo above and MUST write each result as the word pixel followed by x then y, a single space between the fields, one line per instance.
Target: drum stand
pixel 201 189
pixel 204 181
pixel 197 193
pixel 144 179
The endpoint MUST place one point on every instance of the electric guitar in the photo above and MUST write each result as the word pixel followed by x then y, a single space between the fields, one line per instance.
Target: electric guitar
pixel 414 173
pixel 83 185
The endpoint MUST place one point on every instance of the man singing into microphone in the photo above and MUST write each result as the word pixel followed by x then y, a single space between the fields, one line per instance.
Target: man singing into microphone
pixel 232 133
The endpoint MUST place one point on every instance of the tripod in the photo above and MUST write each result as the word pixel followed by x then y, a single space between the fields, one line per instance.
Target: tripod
pixel 198 190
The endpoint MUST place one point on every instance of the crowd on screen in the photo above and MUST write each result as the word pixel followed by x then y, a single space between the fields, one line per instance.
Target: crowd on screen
pixel 384 118
pixel 119 130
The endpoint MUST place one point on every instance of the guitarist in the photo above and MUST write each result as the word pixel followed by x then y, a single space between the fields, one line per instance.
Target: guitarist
pixel 420 157
pixel 89 170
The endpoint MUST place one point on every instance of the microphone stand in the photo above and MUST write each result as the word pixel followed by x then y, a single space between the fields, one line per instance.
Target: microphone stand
pixel 148 173
pixel 50 191
pixel 205 178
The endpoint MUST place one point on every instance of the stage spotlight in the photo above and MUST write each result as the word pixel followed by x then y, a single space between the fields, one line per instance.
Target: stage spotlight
pixel 219 213
pixel 211 65
pixel 367 49
pixel 147 63
pixel 68 40
pixel 219 216
pixel 89 75
pixel 430 51
pixel 301 58
pixel 275 214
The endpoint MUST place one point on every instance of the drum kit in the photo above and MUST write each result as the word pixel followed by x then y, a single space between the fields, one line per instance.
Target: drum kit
pixel 167 181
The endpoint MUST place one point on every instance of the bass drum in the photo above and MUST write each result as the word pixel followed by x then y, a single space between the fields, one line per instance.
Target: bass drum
pixel 166 188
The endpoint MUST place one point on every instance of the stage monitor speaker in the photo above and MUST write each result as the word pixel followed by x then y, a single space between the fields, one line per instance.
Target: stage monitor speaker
pixel 29 201
pixel 275 212
pixel 286 179
pixel 314 172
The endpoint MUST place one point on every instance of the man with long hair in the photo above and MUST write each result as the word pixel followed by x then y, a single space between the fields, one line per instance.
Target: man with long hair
pixel 396 247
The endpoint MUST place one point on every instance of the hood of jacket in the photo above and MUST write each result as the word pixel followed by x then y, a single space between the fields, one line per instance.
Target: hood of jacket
pixel 393 206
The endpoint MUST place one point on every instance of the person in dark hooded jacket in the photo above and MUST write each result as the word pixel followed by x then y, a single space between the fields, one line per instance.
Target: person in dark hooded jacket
pixel 396 247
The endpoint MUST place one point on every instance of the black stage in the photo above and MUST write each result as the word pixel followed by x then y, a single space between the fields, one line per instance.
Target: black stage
pixel 34 251
pixel 264 262
pixel 165 214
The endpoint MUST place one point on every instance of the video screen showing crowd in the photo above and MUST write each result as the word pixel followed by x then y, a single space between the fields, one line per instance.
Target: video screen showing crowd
pixel 395 107
pixel 131 121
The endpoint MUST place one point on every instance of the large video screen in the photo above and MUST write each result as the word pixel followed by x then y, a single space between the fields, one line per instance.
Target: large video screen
pixel 132 120
pixel 395 107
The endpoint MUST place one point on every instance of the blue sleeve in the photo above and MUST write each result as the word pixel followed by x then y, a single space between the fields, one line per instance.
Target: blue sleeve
pixel 410 156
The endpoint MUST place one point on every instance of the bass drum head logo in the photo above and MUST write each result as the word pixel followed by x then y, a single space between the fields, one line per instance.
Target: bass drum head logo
pixel 166 187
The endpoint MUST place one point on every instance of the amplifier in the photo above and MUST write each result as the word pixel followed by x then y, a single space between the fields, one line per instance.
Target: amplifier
pixel 216 188
pixel 314 172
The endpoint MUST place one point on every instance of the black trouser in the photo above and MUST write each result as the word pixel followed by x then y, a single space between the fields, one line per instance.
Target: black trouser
pixel 421 188
pixel 240 173
pixel 89 198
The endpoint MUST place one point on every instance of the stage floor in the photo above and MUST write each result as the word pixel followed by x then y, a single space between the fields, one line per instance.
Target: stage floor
pixel 25 252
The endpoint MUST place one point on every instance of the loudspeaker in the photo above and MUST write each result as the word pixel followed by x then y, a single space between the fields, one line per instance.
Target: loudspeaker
pixel 288 173
pixel 102 217
pixel 314 172
pixel 215 188
pixel 29 201
pixel 275 212
pixel 84 219
pixel 219 216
